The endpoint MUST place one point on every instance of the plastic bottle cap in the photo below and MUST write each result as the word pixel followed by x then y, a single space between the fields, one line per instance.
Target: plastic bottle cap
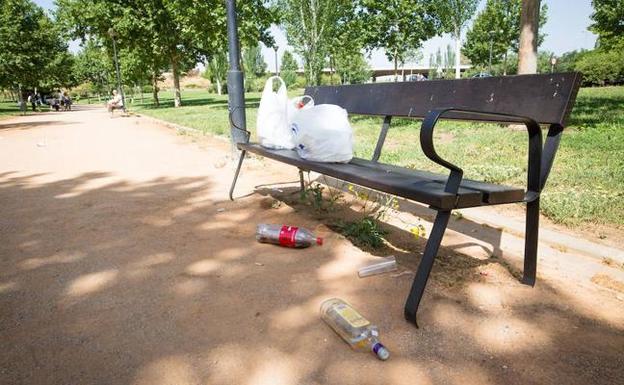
pixel 319 241
pixel 383 354
pixel 381 351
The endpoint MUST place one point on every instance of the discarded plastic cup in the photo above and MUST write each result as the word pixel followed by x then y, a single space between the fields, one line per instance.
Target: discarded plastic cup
pixel 388 264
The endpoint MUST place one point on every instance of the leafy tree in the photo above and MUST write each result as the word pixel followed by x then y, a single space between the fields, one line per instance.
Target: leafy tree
pixel 216 70
pixel 454 15
pixel 254 66
pixel 31 52
pixel 289 69
pixel 397 26
pixel 353 69
pixel 182 32
pixel 309 26
pixel 93 65
pixel 449 62
pixel 346 41
pixel 497 24
pixel 608 22
pixel 253 61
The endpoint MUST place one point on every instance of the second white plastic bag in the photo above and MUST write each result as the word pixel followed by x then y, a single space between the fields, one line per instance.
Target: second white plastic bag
pixel 272 125
pixel 322 133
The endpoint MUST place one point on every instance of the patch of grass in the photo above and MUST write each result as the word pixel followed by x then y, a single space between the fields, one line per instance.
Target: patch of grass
pixel 585 185
pixel 365 232
pixel 8 109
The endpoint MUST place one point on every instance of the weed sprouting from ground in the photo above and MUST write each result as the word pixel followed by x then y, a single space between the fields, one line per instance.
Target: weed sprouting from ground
pixel 364 232
pixel 320 198
pixel 375 208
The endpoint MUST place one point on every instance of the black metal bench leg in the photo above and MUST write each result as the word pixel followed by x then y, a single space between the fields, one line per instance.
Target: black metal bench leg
pixel 530 242
pixel 238 168
pixel 422 275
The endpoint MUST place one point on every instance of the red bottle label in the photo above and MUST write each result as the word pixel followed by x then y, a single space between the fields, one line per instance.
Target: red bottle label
pixel 287 236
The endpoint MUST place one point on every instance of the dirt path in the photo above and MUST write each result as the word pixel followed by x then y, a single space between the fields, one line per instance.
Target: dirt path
pixel 123 262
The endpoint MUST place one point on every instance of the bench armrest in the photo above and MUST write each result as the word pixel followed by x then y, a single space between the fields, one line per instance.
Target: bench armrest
pixel 535 148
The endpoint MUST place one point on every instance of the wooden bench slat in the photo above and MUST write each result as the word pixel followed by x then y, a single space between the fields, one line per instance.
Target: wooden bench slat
pixel 546 98
pixel 420 186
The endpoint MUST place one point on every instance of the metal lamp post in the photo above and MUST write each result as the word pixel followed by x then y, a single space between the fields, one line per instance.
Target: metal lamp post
pixel 553 61
pixel 276 65
pixel 236 90
pixel 113 34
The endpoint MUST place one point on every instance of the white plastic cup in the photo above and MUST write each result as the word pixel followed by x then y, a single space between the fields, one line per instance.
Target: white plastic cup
pixel 388 264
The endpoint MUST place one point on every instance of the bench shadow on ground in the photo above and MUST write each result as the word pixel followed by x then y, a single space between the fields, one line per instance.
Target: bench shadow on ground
pixel 452 265
pixel 115 281
pixel 31 124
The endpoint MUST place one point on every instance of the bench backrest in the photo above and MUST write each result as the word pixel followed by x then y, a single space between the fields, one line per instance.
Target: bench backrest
pixel 547 98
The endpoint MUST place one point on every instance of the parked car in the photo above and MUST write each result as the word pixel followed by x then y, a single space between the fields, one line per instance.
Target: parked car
pixel 482 75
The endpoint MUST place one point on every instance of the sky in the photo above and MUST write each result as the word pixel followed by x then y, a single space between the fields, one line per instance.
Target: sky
pixel 566 30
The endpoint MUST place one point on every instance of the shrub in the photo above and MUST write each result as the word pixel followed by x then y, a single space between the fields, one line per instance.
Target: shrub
pixel 601 67
pixel 290 78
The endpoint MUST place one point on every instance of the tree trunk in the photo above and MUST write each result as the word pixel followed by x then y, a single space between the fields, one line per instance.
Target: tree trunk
pixel 218 86
pixel 505 64
pixel 155 89
pixel 529 23
pixel 177 99
pixel 457 54
pixel 22 105
pixel 396 68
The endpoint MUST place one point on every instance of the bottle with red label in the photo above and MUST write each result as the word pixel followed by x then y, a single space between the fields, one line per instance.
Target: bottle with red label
pixel 287 236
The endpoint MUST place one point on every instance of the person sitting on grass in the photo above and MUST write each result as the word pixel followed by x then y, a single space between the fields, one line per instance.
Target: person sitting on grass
pixel 115 103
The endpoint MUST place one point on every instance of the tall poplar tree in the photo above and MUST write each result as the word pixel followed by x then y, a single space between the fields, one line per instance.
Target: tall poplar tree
pixel 455 14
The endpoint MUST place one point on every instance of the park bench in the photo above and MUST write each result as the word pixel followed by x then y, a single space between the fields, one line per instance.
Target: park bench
pixel 531 100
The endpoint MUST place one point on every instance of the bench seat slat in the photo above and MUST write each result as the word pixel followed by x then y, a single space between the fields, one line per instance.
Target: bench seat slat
pixel 421 186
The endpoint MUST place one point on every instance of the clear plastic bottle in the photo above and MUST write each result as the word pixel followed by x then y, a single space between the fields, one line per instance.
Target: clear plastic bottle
pixel 356 330
pixel 288 236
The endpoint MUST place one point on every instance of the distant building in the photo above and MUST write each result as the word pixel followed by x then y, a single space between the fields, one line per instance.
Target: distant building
pixel 386 74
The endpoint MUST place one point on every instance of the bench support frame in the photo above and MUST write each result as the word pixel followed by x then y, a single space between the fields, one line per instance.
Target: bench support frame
pixel 426 263
pixel 541 156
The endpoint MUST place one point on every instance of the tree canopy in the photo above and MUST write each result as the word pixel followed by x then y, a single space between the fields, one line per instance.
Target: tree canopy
pixel 32 53
pixel 310 26
pixel 454 15
pixel 397 25
pixel 174 33
pixel 608 22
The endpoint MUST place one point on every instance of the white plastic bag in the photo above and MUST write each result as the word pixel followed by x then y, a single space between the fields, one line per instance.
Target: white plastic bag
pixel 323 134
pixel 297 104
pixel 272 125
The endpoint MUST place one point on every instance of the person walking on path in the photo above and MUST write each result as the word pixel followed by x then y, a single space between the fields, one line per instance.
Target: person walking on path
pixel 32 101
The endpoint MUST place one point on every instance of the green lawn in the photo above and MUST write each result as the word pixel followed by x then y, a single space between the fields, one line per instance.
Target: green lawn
pixel 8 109
pixel 585 186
